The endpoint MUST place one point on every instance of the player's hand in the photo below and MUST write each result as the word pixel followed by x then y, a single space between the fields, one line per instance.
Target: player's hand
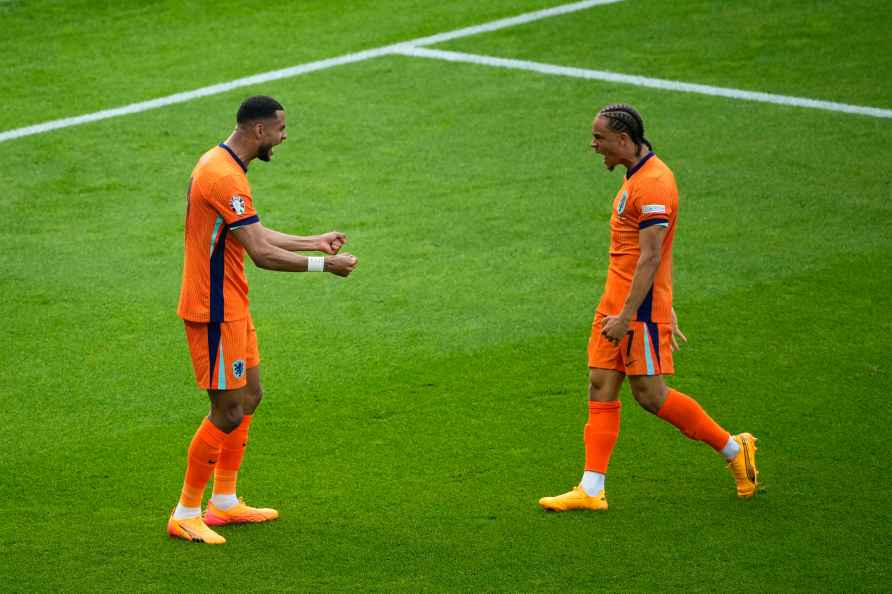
pixel 677 334
pixel 614 328
pixel 341 265
pixel 331 242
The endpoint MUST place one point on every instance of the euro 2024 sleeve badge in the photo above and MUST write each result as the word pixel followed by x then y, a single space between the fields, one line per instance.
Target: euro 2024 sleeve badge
pixel 237 203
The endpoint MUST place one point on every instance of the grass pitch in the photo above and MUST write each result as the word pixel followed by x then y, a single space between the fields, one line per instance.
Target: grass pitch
pixel 416 411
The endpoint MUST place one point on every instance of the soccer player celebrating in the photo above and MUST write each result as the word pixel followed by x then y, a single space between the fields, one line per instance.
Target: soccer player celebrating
pixel 221 225
pixel 635 328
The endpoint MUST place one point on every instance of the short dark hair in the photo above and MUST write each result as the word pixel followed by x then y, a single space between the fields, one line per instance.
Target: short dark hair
pixel 622 117
pixel 258 107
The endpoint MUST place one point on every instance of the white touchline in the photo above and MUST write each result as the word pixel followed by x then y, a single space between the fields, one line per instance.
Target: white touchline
pixel 298 70
pixel 190 95
pixel 642 81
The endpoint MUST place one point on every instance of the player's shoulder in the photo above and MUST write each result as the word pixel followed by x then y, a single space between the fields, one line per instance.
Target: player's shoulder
pixel 656 176
pixel 215 161
pixel 657 169
pixel 217 169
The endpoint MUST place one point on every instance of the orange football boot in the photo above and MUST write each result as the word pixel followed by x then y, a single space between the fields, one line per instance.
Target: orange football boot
pixel 238 514
pixel 577 498
pixel 743 466
pixel 193 530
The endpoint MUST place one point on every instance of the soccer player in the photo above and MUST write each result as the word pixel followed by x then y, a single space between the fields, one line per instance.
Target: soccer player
pixel 221 225
pixel 635 328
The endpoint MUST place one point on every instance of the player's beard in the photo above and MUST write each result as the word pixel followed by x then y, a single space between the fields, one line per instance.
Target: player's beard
pixel 263 153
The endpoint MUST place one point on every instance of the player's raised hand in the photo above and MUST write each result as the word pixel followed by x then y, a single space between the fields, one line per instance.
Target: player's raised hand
pixel 677 334
pixel 341 265
pixel 331 242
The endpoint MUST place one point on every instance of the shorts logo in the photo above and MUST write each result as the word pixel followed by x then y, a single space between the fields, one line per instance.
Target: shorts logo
pixel 238 368
pixel 622 203
pixel 237 203
pixel 653 208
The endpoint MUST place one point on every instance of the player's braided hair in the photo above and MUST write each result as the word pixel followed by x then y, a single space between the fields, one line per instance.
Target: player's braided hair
pixel 625 118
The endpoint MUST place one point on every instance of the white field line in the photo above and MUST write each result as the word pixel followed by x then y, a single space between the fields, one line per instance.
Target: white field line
pixel 298 70
pixel 509 22
pixel 642 81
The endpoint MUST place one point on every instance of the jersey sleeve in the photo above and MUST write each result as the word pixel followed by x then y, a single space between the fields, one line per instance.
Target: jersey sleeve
pixel 231 198
pixel 652 204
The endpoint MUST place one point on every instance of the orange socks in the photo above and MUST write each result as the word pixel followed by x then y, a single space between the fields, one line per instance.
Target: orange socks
pixel 231 457
pixel 600 434
pixel 690 418
pixel 204 452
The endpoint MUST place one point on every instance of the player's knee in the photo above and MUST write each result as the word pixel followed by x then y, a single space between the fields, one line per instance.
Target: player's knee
pixel 253 398
pixel 650 399
pixel 234 416
pixel 596 383
pixel 602 388
pixel 600 393
pixel 227 415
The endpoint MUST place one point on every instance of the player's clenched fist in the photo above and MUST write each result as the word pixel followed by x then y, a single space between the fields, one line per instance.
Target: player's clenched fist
pixel 331 242
pixel 341 265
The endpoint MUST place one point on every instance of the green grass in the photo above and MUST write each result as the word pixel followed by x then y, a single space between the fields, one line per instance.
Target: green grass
pixel 415 412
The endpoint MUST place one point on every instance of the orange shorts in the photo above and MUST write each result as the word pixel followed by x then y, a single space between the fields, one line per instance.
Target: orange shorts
pixel 222 352
pixel 646 349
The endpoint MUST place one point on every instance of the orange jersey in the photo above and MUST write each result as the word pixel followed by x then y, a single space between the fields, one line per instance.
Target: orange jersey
pixel 648 197
pixel 214 287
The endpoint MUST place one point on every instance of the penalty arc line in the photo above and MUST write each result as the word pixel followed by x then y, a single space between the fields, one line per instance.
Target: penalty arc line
pixel 299 70
pixel 643 81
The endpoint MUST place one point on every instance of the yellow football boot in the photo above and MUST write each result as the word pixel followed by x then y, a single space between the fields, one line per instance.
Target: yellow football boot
pixel 193 530
pixel 743 466
pixel 238 514
pixel 577 498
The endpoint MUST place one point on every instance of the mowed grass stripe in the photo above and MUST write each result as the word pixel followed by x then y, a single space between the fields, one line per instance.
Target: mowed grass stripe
pixel 266 77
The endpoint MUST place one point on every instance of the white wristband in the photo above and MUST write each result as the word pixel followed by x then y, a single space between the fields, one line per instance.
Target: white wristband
pixel 315 264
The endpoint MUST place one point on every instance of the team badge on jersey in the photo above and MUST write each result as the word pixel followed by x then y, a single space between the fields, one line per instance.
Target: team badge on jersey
pixel 237 203
pixel 238 368
pixel 622 203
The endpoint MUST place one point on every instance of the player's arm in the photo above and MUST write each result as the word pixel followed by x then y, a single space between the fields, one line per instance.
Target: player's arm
pixel 330 242
pixel 650 240
pixel 265 254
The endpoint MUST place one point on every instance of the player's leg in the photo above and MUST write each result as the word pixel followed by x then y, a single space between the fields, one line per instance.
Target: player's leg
pixel 601 429
pixel 217 351
pixel 652 357
pixel 205 346
pixel 233 452
pixel 204 454
pixel 226 474
pixel 225 507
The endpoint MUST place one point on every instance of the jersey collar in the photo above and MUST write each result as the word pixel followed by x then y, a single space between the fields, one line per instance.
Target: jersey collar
pixel 632 170
pixel 234 156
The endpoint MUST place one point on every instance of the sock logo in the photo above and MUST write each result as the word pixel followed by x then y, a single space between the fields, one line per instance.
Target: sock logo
pixel 238 368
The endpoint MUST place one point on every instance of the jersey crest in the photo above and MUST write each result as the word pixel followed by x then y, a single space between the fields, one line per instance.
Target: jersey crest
pixel 622 203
